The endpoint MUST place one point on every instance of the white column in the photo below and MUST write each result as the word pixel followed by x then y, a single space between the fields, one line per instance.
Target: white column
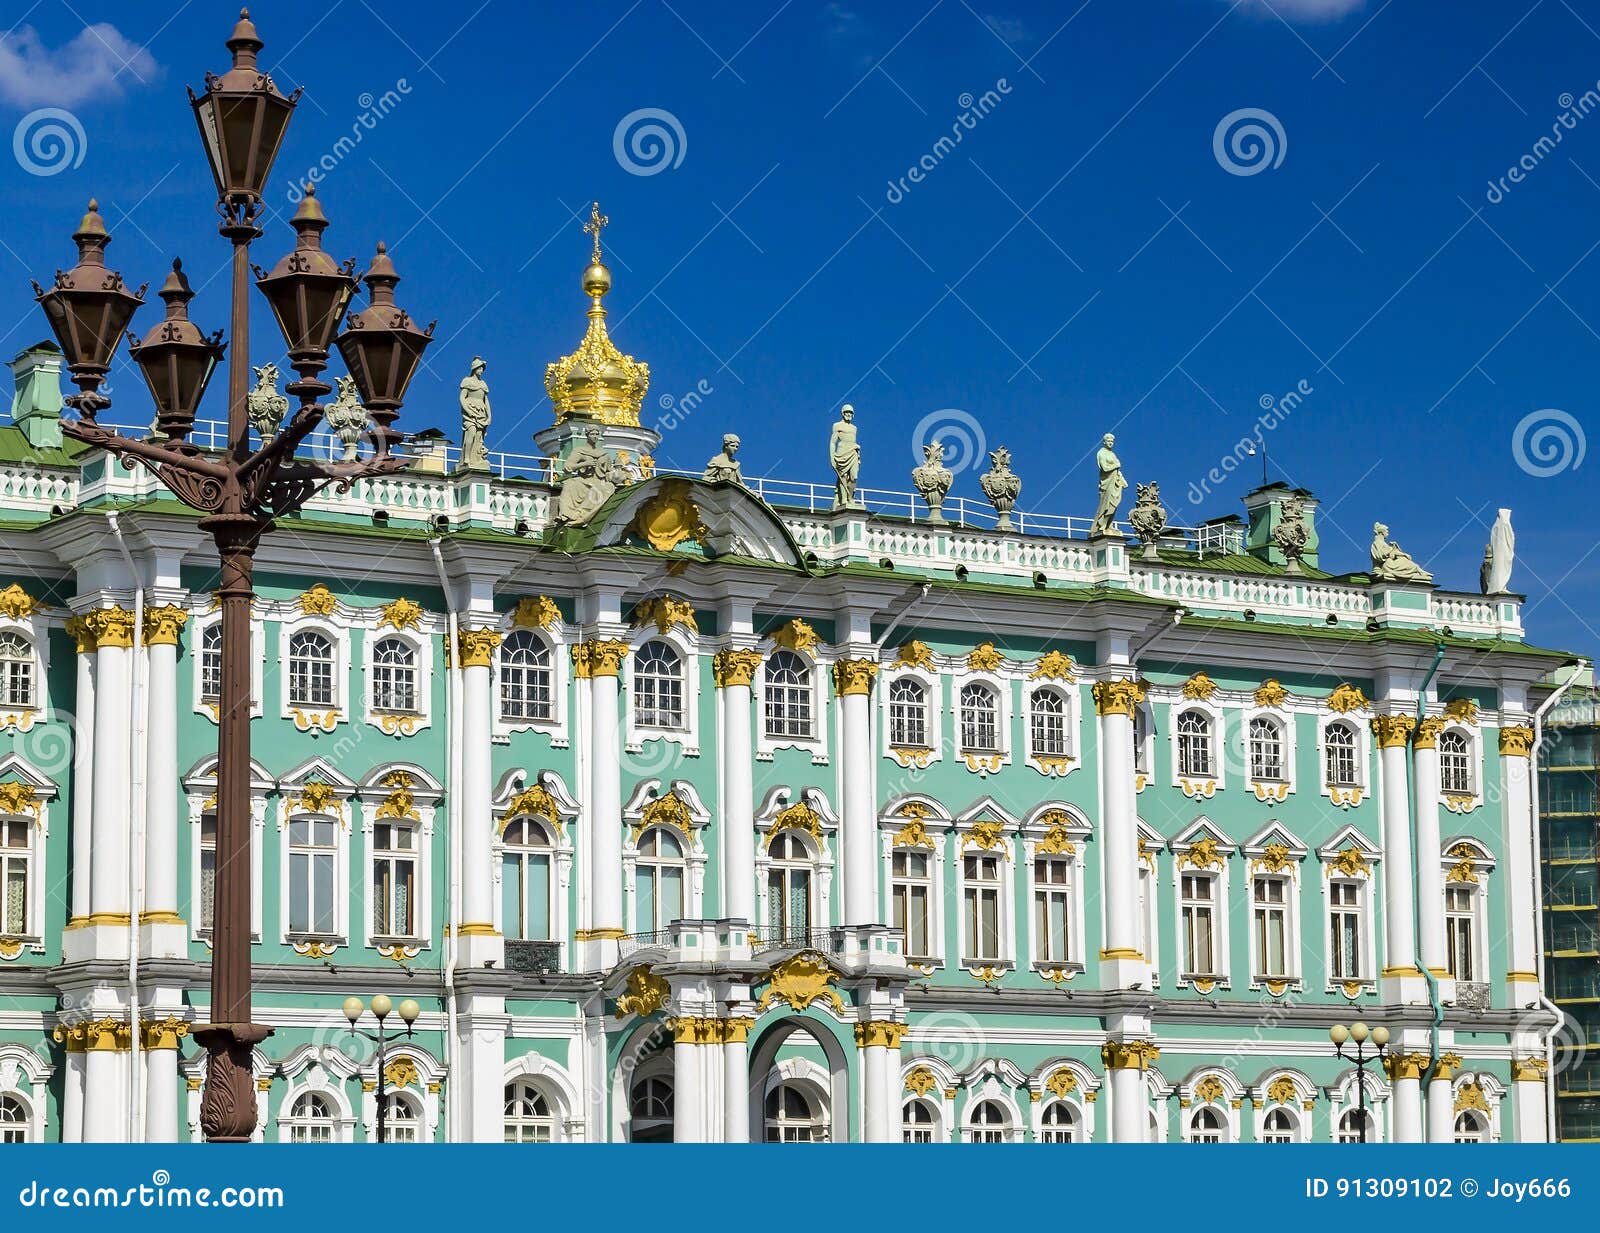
pixel 1430 870
pixel 733 671
pixel 106 1060
pixel 480 941
pixel 1125 1063
pixel 600 661
pixel 159 918
pixel 1122 961
pixel 879 1042
pixel 1521 878
pixel 688 1095
pixel 72 1086
pixel 1394 810
pixel 736 1080
pixel 480 1083
pixel 82 775
pixel 108 879
pixel 160 1053
pixel 1441 1100
pixel 1528 1106
pixel 852 681
pixel 1405 1080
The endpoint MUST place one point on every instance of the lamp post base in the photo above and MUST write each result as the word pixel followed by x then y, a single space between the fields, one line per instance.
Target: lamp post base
pixel 228 1105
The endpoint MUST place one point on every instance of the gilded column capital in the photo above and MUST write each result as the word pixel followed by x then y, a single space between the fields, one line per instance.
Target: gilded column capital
pixel 71 1036
pixel 1405 1065
pixel 734 667
pixel 112 627
pixel 736 1031
pixel 476 647
pixel 854 676
pixel 598 657
pixel 162 624
pixel 81 634
pixel 1129 1054
pixel 1427 733
pixel 1392 730
pixel 1528 1069
pixel 1516 741
pixel 162 1033
pixel 695 1030
pixel 1120 696
pixel 879 1034
pixel 107 1035
pixel 1449 1065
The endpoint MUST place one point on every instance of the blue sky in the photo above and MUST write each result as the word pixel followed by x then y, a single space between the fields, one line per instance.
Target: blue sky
pixel 1083 260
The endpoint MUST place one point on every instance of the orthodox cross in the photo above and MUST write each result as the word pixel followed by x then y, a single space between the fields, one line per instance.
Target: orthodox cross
pixel 597 222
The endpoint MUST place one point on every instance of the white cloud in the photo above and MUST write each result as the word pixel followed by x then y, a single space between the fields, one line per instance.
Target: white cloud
pixel 96 62
pixel 1010 30
pixel 1304 10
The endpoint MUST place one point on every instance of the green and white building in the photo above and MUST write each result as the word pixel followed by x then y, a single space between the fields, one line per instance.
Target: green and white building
pixel 727 816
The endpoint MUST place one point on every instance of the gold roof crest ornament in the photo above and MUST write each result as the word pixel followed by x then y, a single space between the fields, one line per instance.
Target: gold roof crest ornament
pixel 597 382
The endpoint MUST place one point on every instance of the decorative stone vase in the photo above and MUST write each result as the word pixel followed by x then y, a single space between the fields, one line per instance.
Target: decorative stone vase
pixel 347 418
pixel 933 480
pixel 1148 518
pixel 1002 486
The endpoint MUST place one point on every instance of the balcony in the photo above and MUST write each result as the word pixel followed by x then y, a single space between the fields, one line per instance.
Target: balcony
pixel 532 958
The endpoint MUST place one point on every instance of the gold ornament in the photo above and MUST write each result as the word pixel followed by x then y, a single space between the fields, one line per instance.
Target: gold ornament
pixel 597 382
pixel 1516 741
pixel 1462 870
pixel 646 993
pixel 1282 1091
pixel 666 810
pixel 401 802
pixel 1054 666
pixel 920 1081
pixel 81 634
pixel 1427 734
pixel 1199 687
pixel 535 612
pixel 1471 1097
pixel 1118 697
pixel 1129 1055
pixel 800 817
pixel 1209 1090
pixel 734 667
pixel 796 635
pixel 535 801
pixel 598 657
pixel 879 1034
pixel 161 624
pixel 801 980
pixel 18 798
pixel 1392 730
pixel 317 601
pixel 1347 698
pixel 1274 858
pixel 1350 863
pixel 315 797
pixel 401 613
pixel 1201 854
pixel 669 518
pixel 914 834
pixel 1062 1082
pixel 988 835
pixel 665 612
pixel 984 658
pixel 17 603
pixel 1271 692
pixel 111 626
pixel 402 1072
pixel 1462 711
pixel 915 654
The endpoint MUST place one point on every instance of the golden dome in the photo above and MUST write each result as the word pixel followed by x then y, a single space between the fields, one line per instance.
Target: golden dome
pixel 597 382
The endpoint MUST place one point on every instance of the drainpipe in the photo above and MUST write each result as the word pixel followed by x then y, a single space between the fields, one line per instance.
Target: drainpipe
pixel 1557 1016
pixel 136 825
pixel 1143 644
pixel 917 595
pixel 1416 902
pixel 452 849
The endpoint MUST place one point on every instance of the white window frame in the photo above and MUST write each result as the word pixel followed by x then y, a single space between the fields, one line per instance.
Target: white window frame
pixel 695 854
pixel 1144 745
pixel 687 737
pixel 339 813
pixel 1040 823
pixel 1462 802
pixel 561 837
pixel 1345 796
pixel 1199 786
pixel 966 842
pixel 560 675
pixel 817 743
pixel 25 1077
pixel 983 762
pixel 936 826
pixel 203 619
pixel 1271 791
pixel 341 1124
pixel 1221 903
pixel 934 712
pixel 199 786
pixel 37 823
pixel 1479 866
pixel 399 723
pixel 1291 929
pixel 425 797
pixel 1072 716
pixel 775 803
pixel 1367 884
pixel 991 1092
pixel 934 1129
pixel 934 955
pixel 325 719
pixel 22 716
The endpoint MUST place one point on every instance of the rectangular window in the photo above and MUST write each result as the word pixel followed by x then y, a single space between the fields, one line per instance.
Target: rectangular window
pixel 1199 918
pixel 1344 931
pixel 1271 920
pixel 982 907
pixel 313 851
pixel 912 895
pixel 394 880
pixel 16 859
pixel 525 891
pixel 208 869
pixel 1141 741
pixel 1460 928
pixel 1052 909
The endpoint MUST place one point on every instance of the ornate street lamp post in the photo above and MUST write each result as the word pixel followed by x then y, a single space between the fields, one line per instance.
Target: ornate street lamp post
pixel 380 1007
pixel 1358 1034
pixel 242 118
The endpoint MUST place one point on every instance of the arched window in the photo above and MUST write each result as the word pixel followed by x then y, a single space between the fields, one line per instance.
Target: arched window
pixel 309 1120
pixel 402 1119
pixel 528 1116
pixel 990 1123
pixel 918 1122
pixel 1207 1126
pixel 658 686
pixel 525 856
pixel 1352 1124
pixel 1471 1127
pixel 394 676
pixel 1194 745
pixel 788 696
pixel 1455 762
pixel 1059 1123
pixel 13 1119
pixel 211 662
pixel 16 875
pixel 980 718
pixel 311 668
pixel 16 670
pixel 1339 755
pixel 795 1115
pixel 658 880
pixel 527 690
pixel 788 889
pixel 650 1109
pixel 1266 749
pixel 1279 1127
pixel 908 713
pixel 1047 724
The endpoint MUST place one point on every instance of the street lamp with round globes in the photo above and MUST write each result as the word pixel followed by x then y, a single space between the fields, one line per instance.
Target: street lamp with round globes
pixel 1359 1034
pixel 381 1007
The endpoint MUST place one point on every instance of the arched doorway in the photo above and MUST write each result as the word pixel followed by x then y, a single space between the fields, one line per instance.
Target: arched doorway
pixel 799 1084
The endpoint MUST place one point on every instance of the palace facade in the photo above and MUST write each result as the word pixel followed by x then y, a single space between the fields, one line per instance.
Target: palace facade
pixel 720 814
